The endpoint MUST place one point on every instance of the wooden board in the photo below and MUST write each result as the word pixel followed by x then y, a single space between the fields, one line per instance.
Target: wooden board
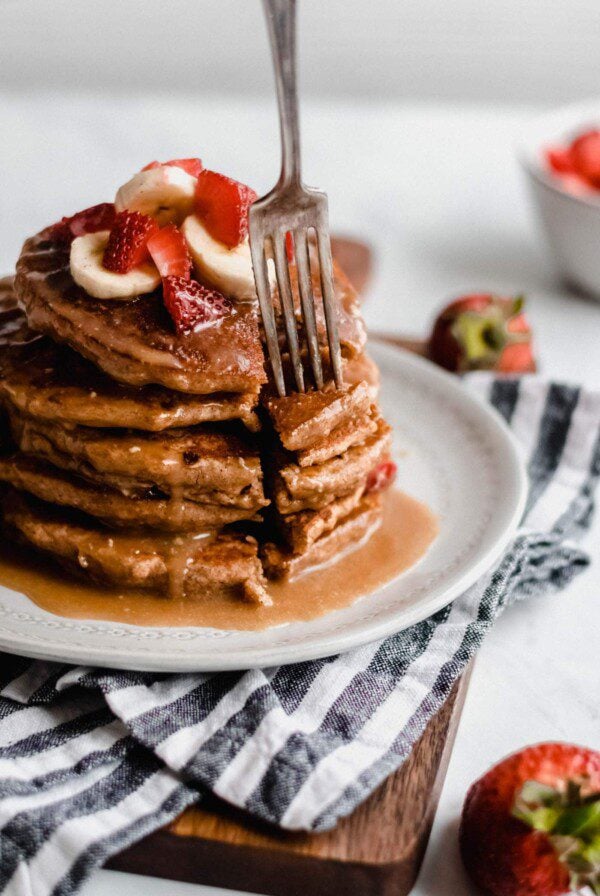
pixel 376 851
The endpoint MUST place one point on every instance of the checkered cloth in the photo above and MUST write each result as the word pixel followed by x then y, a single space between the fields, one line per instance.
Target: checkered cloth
pixel 92 760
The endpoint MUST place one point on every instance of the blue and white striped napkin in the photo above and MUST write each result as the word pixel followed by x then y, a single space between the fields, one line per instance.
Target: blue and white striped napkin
pixel 92 760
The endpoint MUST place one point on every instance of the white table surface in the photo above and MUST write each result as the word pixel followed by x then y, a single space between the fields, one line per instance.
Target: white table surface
pixel 438 192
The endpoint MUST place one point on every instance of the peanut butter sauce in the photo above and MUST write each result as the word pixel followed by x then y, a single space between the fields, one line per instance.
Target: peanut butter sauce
pixel 407 530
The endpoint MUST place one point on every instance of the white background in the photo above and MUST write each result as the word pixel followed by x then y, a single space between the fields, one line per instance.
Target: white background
pixel 411 114
pixel 499 50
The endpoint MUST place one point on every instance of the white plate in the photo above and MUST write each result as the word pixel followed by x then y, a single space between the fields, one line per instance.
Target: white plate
pixel 454 453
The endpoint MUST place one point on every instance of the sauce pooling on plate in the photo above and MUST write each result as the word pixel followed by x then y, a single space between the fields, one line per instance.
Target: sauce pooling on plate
pixel 407 530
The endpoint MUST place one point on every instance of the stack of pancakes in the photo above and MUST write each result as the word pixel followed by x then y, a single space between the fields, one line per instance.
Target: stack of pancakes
pixel 135 455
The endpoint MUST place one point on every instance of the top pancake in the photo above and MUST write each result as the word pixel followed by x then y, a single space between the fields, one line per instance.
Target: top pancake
pixel 134 341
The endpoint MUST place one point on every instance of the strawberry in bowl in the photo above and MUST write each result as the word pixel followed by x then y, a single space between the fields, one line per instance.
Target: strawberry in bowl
pixel 531 825
pixel 577 163
pixel 482 331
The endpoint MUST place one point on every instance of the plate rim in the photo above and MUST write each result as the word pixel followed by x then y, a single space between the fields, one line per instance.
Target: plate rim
pixel 321 644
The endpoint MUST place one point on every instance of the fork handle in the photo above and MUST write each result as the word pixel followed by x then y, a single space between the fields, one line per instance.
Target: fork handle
pixel 281 21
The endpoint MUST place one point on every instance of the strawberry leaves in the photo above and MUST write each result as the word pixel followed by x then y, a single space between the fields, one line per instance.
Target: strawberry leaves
pixel 570 816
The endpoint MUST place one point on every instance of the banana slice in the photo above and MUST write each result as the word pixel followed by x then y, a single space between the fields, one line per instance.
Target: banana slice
pixel 228 270
pixel 165 193
pixel 88 272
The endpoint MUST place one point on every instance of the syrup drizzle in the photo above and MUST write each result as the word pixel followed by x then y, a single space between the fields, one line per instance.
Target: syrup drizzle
pixel 179 553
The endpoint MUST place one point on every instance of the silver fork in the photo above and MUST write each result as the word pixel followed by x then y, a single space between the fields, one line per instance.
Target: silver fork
pixel 291 207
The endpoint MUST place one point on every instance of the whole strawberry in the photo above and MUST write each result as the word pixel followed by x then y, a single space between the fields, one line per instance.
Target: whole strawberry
pixel 482 331
pixel 531 825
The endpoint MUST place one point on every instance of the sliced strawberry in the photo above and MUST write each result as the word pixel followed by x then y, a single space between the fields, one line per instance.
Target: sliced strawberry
pixel 474 301
pixel 90 220
pixel 382 476
pixel 517 357
pixel 585 152
pixel 560 160
pixel 169 252
pixel 222 204
pixel 192 305
pixel 192 166
pixel 127 245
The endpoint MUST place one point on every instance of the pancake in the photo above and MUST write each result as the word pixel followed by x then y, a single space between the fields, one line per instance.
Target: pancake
pixel 355 527
pixel 134 341
pixel 16 337
pixel 199 464
pixel 209 561
pixel 346 435
pixel 301 530
pixel 303 420
pixel 48 483
pixel 54 383
pixel 7 297
pixel 362 369
pixel 298 488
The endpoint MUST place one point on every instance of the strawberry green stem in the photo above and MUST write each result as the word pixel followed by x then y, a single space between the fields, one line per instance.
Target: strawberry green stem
pixel 570 817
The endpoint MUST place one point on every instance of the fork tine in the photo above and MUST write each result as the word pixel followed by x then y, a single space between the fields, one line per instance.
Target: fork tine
pixel 263 291
pixel 287 305
pixel 308 304
pixel 327 291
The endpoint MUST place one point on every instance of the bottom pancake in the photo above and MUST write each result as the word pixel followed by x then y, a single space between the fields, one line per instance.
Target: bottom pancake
pixel 196 565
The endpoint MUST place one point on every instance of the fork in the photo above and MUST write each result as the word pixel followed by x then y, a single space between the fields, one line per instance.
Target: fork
pixel 291 207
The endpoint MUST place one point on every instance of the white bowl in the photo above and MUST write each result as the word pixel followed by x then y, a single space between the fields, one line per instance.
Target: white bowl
pixel 571 223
